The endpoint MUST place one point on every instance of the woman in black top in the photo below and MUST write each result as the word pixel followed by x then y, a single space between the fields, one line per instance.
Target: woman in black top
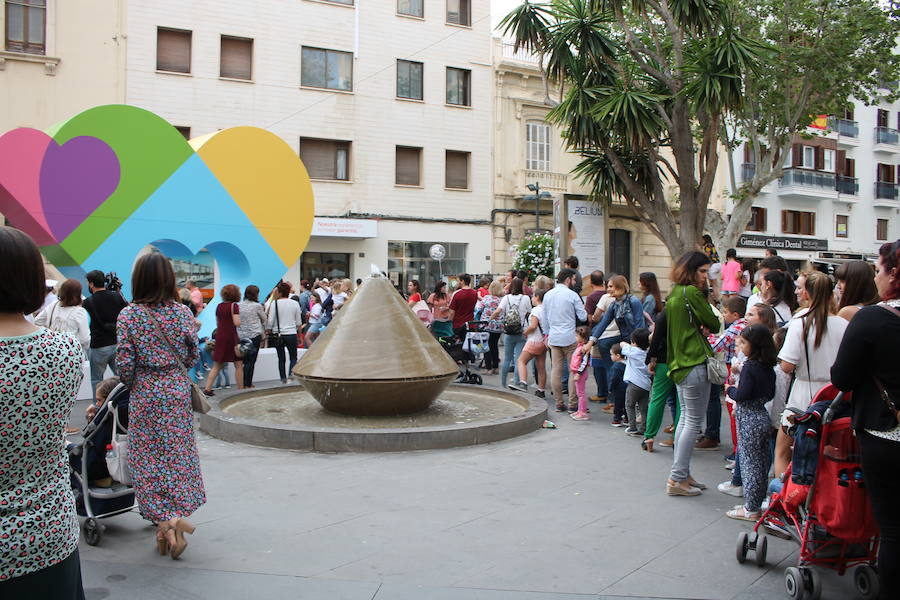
pixel 866 361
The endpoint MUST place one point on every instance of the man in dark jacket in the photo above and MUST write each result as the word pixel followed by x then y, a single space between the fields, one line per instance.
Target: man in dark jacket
pixel 103 309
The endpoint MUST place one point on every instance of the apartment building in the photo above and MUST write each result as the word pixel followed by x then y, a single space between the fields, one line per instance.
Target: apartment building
pixel 838 198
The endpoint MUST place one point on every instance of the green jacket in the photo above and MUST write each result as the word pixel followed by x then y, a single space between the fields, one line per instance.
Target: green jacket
pixel 686 346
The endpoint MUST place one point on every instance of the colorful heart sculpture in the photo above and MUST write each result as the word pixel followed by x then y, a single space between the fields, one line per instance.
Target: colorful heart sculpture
pixel 96 189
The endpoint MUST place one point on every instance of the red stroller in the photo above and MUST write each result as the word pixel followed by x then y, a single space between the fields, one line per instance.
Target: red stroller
pixel 831 518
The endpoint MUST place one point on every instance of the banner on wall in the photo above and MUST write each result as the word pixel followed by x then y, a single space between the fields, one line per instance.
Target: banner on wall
pixel 585 234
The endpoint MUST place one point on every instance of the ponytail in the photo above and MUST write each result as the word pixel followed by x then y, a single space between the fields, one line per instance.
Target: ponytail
pixel 784 289
pixel 821 305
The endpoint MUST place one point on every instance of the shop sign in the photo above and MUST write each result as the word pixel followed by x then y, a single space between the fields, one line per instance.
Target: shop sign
pixel 586 234
pixel 781 243
pixel 344 228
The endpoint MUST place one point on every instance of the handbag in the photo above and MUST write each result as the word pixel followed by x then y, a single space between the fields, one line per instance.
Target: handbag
pixel 274 339
pixel 240 349
pixel 881 389
pixel 199 403
pixel 716 370
pixel 117 453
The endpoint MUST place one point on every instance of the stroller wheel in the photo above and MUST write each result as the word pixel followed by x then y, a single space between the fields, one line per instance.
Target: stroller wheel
pixel 93 531
pixel 866 580
pixel 794 584
pixel 762 547
pixel 743 544
pixel 476 379
pixel 813 583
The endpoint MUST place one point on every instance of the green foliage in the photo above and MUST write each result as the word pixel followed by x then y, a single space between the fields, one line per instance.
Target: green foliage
pixel 535 255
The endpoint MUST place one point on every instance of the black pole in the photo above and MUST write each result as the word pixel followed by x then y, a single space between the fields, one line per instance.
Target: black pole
pixel 537 206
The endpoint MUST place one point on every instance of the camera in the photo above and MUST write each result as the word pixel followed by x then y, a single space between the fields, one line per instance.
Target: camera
pixel 113 283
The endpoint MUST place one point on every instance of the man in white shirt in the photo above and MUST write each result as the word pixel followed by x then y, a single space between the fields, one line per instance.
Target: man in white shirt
pixel 563 309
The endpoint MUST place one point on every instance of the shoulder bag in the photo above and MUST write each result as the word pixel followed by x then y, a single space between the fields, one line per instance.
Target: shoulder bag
pixel 117 454
pixel 198 399
pixel 240 350
pixel 274 340
pixel 716 370
pixel 579 322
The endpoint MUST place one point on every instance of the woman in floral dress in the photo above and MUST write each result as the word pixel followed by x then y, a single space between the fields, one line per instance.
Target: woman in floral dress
pixel 164 462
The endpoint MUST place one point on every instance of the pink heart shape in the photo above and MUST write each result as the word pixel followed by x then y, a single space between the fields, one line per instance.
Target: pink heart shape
pixel 76 178
pixel 21 155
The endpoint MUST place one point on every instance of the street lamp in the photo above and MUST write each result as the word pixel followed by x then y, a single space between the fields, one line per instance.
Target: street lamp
pixel 537 196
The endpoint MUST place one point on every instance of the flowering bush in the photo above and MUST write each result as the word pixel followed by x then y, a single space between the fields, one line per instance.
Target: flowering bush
pixel 535 255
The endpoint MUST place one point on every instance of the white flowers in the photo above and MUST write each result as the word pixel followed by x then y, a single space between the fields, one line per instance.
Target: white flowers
pixel 535 255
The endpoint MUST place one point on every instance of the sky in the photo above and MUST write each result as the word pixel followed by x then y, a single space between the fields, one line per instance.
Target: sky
pixel 500 8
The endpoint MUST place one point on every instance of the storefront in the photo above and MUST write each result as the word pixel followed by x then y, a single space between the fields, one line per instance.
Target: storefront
pixel 796 251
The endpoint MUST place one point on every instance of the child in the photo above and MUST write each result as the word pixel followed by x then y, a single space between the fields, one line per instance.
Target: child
pixel 578 367
pixel 733 310
pixel 637 392
pixel 757 386
pixel 617 385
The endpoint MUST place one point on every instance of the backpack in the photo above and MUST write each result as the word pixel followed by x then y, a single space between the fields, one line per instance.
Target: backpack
pixel 624 316
pixel 512 322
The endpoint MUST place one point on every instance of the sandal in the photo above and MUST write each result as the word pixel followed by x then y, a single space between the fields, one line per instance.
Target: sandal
pixel 647 445
pixel 740 513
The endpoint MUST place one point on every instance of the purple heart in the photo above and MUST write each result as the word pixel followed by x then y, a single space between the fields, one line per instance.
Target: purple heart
pixel 76 178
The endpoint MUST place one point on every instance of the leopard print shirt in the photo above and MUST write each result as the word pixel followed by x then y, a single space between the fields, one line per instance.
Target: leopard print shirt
pixel 40 374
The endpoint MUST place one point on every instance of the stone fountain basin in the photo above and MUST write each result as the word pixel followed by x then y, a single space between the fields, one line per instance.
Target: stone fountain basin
pixel 464 415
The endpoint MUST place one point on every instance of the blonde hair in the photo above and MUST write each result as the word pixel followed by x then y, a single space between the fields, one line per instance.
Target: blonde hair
pixel 496 288
pixel 347 286
pixel 619 282
pixel 542 282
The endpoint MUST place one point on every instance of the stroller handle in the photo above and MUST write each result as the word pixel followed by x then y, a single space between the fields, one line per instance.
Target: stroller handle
pixel 829 414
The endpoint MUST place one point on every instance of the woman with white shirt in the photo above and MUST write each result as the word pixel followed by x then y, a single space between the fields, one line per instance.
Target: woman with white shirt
pixel 513 342
pixel 776 289
pixel 284 321
pixel 810 348
pixel 67 314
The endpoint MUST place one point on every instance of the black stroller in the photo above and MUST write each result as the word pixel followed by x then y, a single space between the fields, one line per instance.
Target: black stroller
pixel 87 463
pixel 467 350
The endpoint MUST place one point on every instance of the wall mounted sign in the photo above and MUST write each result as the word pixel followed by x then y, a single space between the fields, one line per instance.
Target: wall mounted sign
pixel 781 243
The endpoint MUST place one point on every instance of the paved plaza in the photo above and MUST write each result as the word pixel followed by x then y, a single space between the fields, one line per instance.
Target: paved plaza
pixel 575 512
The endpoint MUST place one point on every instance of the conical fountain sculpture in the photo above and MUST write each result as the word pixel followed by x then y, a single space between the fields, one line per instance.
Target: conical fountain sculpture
pixel 376 357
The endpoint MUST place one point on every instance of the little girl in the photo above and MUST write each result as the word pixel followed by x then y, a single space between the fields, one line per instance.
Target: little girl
pixel 756 388
pixel 578 368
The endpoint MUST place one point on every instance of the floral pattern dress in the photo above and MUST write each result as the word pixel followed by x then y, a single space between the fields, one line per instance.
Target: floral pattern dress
pixel 39 377
pixel 163 455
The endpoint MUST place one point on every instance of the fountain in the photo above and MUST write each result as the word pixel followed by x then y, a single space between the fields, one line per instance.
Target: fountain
pixel 375 380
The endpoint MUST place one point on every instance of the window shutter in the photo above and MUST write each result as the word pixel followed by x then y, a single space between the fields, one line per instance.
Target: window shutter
pixel 819 154
pixel 408 161
pixel 746 153
pixel 839 163
pixel 882 117
pixel 761 219
pixel 796 155
pixel 319 157
pixel 848 113
pixel 173 50
pixel 457 170
pixel 850 167
pixel 784 218
pixel 236 58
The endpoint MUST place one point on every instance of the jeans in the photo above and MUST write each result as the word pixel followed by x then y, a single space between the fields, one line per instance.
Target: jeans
pixel 600 376
pixel 661 391
pixel 880 464
pixel 492 356
pixel 603 346
pixel 560 356
pixel 101 358
pixel 714 412
pixel 512 348
pixel 693 394
pixel 250 361
pixel 289 343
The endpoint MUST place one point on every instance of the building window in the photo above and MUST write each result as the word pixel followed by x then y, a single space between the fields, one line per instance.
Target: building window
pixel 841 226
pixel 324 265
pixel 183 130
pixel 457 170
pixel 411 260
pixel 809 157
pixel 329 69
pixel 883 117
pixel 458 86
pixel 459 12
pixel 236 58
pixel 795 221
pixel 885 173
pixel 757 219
pixel 409 166
pixel 409 79
pixel 410 8
pixel 26 24
pixel 828 160
pixel 173 50
pixel 326 159
pixel 537 146
pixel 881 230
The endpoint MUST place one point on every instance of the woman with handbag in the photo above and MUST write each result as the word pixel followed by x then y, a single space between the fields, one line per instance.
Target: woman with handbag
pixel 284 325
pixel 688 352
pixel 866 364
pixel 156 344
pixel 228 319
pixel 252 327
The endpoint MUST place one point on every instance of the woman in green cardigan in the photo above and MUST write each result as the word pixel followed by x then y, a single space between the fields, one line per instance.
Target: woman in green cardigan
pixel 689 320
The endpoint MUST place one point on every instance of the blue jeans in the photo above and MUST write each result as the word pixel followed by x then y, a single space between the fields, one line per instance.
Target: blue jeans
pixel 714 412
pixel 101 358
pixel 512 348
pixel 600 376
pixel 603 346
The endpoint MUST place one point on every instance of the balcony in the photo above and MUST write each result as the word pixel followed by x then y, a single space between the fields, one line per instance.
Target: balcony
pixel 807 185
pixel 557 183
pixel 509 52
pixel 885 194
pixel 886 140
pixel 847 185
pixel 847 130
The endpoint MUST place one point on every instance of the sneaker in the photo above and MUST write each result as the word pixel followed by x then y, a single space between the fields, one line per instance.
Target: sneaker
pixel 540 393
pixel 519 386
pixel 572 408
pixel 635 433
pixel 668 443
pixel 580 416
pixel 617 423
pixel 597 398
pixel 631 430
pixel 560 408
pixel 732 490
pixel 706 443
pixel 729 465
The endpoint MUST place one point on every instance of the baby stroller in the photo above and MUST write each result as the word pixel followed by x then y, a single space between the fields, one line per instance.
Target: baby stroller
pixel 87 463
pixel 467 350
pixel 823 504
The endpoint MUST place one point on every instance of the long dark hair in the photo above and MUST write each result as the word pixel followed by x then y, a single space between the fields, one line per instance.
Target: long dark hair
pixel 648 280
pixel 153 280
pixel 859 283
pixel 439 289
pixel 784 290
pixel 685 270
pixel 821 304
pixel 749 265
pixel 762 345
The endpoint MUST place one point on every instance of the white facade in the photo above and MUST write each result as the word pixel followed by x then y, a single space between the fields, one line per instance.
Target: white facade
pixel 842 183
pixel 369 116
